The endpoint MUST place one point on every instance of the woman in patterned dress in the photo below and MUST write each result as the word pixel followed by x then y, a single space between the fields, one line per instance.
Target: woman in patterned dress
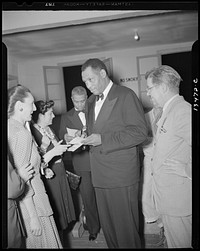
pixel 37 214
pixel 16 185
pixel 56 185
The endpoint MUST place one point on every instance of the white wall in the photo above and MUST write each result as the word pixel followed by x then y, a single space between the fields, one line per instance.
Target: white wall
pixel 30 72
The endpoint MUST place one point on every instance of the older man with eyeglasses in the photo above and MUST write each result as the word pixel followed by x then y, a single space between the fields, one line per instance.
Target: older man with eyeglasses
pixel 171 157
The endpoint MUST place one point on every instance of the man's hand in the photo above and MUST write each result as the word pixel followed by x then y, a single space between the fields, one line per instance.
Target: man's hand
pixel 93 140
pixel 68 138
pixel 81 133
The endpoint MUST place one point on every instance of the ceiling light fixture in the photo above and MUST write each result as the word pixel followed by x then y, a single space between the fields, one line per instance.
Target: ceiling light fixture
pixel 136 36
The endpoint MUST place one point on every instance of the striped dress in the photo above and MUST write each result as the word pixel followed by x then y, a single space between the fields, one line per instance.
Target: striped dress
pixel 23 150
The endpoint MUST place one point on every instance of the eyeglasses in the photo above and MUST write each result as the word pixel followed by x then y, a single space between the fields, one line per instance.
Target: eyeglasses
pixel 149 88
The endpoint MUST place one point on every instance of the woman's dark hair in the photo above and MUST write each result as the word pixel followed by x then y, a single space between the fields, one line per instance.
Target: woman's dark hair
pixel 16 93
pixel 41 107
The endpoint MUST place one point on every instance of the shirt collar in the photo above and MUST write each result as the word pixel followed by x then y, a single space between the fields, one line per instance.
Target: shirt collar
pixel 106 91
pixel 169 101
pixel 78 110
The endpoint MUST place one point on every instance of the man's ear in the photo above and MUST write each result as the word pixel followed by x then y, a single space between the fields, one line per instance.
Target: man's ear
pixel 103 73
pixel 164 87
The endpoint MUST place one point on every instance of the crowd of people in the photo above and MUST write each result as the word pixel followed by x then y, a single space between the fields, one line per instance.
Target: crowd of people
pixel 113 128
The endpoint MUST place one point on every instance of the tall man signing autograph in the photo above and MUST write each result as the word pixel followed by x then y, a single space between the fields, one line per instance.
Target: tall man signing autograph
pixel 116 126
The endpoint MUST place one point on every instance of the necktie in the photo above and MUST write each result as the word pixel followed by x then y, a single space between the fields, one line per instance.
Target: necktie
pixel 100 96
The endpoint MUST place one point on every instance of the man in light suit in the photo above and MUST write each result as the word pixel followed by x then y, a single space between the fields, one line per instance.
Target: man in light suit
pixel 116 126
pixel 171 157
pixel 151 216
pixel 75 119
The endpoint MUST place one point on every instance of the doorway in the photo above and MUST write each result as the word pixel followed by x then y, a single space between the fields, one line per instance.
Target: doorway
pixel 72 78
pixel 182 63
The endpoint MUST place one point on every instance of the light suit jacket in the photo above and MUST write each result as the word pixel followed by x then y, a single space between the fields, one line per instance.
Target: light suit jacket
pixel 122 126
pixel 171 160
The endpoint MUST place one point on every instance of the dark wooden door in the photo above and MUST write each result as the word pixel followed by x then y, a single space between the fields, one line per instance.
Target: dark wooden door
pixel 72 78
pixel 182 63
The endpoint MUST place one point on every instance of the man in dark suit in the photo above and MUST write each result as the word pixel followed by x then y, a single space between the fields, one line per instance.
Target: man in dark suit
pixel 75 119
pixel 116 126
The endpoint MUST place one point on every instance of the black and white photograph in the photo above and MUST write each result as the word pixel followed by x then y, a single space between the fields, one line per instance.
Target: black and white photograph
pixel 101 129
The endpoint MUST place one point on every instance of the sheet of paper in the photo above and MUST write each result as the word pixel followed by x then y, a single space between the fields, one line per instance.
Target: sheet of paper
pixel 74 147
pixel 76 140
pixel 71 131
pixel 76 143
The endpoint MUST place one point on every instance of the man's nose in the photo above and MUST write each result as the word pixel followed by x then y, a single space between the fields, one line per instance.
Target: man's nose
pixel 88 85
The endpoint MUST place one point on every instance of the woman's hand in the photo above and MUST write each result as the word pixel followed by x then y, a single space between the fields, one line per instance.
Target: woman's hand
pixel 56 151
pixel 59 149
pixel 48 173
pixel 36 228
pixel 26 172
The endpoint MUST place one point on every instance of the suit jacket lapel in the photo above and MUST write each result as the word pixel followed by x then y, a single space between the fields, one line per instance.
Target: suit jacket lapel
pixel 106 109
pixel 75 119
pixel 163 118
pixel 91 120
pixel 104 113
